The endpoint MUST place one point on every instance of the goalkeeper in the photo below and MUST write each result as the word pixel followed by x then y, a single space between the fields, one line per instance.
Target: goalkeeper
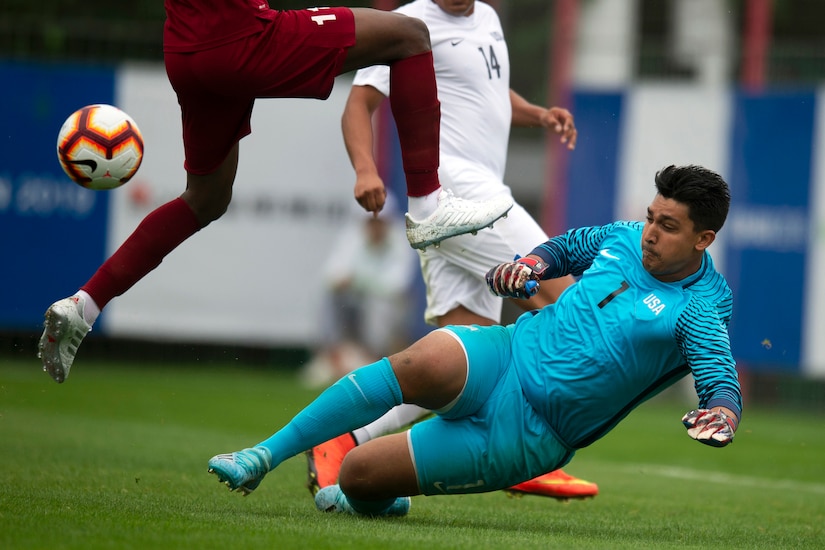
pixel 515 401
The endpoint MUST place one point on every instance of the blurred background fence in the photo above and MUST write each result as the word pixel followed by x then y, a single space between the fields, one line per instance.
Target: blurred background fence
pixel 733 84
pixel 670 39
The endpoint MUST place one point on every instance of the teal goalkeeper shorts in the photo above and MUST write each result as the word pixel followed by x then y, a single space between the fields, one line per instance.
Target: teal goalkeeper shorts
pixel 490 438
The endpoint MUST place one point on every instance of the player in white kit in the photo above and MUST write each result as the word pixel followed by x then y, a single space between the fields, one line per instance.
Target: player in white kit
pixel 478 108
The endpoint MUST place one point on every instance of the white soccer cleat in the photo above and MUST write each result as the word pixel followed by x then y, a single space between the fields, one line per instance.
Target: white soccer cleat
pixel 64 329
pixel 455 216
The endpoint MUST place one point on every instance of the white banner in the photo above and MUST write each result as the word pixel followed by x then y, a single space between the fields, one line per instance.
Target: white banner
pixel 253 276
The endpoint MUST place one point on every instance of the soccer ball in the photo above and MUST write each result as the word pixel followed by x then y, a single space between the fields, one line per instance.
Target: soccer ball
pixel 100 147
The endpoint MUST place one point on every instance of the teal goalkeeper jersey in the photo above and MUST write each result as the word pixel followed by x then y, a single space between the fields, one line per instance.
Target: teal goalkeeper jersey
pixel 620 336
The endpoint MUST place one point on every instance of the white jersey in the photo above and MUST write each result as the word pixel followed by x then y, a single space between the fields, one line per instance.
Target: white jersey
pixel 472 71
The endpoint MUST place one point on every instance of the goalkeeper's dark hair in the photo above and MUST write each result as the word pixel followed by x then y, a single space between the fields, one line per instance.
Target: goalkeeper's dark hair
pixel 704 192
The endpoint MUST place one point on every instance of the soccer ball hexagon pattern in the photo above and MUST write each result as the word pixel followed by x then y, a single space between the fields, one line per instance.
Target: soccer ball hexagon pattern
pixel 100 147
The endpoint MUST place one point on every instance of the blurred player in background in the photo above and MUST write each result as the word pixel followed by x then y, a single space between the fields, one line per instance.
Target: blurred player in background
pixel 366 303
pixel 220 56
pixel 514 401
pixel 478 107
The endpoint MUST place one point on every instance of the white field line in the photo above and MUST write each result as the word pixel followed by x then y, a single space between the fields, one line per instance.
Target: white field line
pixel 724 479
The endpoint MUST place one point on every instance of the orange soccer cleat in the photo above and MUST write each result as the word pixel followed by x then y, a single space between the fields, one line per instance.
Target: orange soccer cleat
pixel 557 484
pixel 324 462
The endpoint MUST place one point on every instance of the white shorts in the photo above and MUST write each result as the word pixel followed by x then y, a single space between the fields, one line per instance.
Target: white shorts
pixel 454 272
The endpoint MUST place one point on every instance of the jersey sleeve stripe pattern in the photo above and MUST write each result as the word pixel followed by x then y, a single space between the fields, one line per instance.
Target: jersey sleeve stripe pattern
pixel 573 252
pixel 703 340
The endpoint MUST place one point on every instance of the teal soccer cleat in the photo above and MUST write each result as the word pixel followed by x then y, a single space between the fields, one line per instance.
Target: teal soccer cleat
pixel 332 499
pixel 241 471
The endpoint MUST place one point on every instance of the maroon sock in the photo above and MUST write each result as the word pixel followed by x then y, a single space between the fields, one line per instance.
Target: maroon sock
pixel 157 235
pixel 417 114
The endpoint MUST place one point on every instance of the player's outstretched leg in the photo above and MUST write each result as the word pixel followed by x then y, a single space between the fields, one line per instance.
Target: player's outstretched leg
pixel 242 471
pixel 64 329
pixel 558 485
pixel 324 461
pixel 455 216
pixel 332 499
pixel 156 236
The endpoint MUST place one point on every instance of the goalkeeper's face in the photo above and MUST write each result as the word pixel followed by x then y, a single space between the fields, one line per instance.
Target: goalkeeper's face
pixel 671 247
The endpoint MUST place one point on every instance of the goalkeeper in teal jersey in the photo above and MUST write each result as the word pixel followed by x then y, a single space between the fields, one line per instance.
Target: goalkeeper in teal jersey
pixel 513 402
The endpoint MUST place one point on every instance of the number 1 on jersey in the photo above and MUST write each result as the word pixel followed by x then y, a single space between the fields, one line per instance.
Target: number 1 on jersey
pixel 607 299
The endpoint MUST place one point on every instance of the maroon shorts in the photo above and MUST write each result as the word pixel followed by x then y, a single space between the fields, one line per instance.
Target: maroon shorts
pixel 297 55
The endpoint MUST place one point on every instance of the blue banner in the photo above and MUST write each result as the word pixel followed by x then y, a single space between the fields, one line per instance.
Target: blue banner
pixel 767 230
pixel 593 167
pixel 52 232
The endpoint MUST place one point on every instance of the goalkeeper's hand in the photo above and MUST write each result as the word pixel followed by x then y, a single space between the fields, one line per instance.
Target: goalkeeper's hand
pixel 713 428
pixel 516 279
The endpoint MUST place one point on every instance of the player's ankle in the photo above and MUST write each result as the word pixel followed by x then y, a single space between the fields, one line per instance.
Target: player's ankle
pixel 421 207
pixel 90 308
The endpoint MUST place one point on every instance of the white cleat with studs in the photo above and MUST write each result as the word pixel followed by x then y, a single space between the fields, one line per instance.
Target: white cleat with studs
pixel 455 216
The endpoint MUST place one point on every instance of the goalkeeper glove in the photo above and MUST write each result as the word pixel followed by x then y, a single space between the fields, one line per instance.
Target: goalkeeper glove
pixel 516 279
pixel 713 428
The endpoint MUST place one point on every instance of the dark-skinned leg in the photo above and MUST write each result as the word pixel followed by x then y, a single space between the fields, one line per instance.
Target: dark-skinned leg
pixel 403 43
pixel 205 199
pixel 383 37
pixel 67 321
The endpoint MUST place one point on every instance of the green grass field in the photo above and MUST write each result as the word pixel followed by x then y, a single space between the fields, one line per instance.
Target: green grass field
pixel 116 458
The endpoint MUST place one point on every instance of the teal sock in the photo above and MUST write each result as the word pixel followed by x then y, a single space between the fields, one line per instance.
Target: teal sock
pixel 353 401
